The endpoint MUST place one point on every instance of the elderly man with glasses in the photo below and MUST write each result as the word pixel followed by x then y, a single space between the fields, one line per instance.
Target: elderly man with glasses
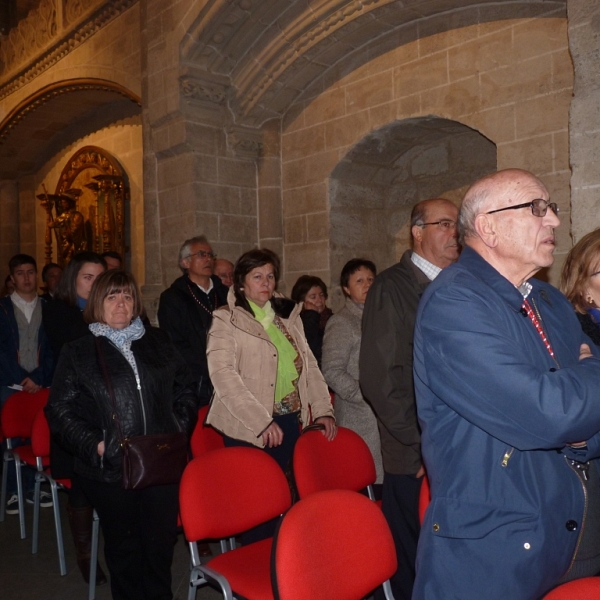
pixel 508 402
pixel 185 309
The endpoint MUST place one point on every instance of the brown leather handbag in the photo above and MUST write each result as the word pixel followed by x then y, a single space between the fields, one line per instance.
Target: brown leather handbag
pixel 157 459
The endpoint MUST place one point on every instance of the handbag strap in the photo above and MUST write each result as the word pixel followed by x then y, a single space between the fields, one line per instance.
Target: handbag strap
pixel 109 387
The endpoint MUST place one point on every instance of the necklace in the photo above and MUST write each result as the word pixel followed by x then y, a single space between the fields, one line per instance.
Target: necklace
pixel 210 312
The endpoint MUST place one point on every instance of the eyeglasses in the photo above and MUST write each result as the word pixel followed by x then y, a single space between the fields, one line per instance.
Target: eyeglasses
pixel 539 207
pixel 202 254
pixel 444 224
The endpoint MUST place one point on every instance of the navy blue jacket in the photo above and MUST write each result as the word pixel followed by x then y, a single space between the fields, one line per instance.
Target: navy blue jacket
pixel 496 414
pixel 10 370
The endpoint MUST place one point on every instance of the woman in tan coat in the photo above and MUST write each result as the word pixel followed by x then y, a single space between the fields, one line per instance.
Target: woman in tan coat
pixel 264 375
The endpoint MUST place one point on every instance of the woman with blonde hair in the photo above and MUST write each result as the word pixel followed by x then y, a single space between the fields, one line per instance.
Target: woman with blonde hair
pixel 580 283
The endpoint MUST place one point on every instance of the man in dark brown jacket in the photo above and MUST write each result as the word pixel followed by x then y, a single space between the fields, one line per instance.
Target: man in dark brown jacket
pixel 386 372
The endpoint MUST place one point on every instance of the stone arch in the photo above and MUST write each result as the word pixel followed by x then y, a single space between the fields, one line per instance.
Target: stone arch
pixel 375 185
pixel 53 117
pixel 259 58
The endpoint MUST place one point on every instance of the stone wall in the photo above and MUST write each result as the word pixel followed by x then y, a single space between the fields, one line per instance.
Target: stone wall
pixel 509 80
pixel 584 123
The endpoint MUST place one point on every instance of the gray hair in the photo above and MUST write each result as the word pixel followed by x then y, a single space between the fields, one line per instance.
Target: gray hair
pixel 475 198
pixel 186 248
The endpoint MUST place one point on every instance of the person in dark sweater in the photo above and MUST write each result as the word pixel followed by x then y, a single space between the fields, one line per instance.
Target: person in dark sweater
pixel 311 292
pixel 185 309
pixel 580 283
pixel 63 322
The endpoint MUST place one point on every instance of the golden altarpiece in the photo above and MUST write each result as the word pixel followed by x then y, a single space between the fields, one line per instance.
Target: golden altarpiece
pixel 87 211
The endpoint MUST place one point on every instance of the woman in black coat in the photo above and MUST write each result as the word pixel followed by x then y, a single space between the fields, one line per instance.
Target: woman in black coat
pixel 63 322
pixel 153 393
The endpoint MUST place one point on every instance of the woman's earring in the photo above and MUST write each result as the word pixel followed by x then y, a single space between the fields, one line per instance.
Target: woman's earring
pixel 590 300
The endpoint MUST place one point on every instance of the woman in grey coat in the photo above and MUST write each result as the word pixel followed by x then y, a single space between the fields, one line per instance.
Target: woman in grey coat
pixel 341 349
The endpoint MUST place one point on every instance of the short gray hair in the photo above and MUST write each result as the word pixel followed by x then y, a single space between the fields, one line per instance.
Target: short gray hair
pixel 186 248
pixel 475 199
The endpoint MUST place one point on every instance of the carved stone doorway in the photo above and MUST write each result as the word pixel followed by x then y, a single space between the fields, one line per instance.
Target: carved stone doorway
pixel 373 188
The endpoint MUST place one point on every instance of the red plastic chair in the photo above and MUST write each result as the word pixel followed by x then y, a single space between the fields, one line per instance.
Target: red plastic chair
pixel 224 493
pixel 40 444
pixel 424 498
pixel 205 438
pixel 587 588
pixel 333 544
pixel 18 415
pixel 346 463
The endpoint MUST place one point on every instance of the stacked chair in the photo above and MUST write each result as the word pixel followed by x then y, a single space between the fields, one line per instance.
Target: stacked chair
pixel 18 415
pixel 332 544
pixel 223 493
pixel 346 463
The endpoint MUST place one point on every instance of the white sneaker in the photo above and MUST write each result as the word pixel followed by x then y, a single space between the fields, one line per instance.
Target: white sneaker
pixel 46 500
pixel 12 505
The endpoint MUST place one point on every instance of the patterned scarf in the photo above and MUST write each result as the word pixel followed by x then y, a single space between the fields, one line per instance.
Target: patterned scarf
pixel 286 370
pixel 122 338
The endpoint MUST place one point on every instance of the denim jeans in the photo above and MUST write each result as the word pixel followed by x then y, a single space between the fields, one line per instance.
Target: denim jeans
pixel 27 473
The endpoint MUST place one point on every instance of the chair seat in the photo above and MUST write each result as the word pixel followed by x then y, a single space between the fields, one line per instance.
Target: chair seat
pixel 247 569
pixel 27 456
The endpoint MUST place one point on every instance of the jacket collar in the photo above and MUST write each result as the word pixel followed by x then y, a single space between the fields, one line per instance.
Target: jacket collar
pixel 416 274
pixel 354 308
pixel 475 264
pixel 238 310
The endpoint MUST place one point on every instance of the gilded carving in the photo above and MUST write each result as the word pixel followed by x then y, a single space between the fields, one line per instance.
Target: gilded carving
pixel 89 205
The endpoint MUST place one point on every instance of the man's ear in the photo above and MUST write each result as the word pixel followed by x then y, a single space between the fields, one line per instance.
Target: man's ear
pixel 417 233
pixel 484 226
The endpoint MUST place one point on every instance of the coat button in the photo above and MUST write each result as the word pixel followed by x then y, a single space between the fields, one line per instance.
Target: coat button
pixel 436 527
pixel 571 525
pixel 552 369
pixel 527 545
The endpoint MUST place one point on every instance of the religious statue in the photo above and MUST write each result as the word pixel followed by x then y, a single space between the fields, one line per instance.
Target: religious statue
pixel 68 225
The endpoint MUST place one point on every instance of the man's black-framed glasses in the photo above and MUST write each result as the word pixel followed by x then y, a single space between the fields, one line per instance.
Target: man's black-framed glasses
pixel 444 224
pixel 539 207
pixel 202 254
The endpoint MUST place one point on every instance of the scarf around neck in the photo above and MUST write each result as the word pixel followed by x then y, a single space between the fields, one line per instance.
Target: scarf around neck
pixel 286 370
pixel 122 338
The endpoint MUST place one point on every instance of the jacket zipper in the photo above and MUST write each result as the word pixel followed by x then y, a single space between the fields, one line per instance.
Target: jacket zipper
pixel 585 507
pixel 507 456
pixel 139 388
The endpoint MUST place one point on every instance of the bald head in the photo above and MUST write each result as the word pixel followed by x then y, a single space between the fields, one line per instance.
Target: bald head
pixel 514 240
pixel 224 270
pixel 489 192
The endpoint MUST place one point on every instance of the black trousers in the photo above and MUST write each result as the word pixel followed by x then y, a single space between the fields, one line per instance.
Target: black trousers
pixel 400 505
pixel 140 531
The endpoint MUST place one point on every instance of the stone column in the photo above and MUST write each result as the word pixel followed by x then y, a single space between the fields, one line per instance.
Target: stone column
pixel 584 122
pixel 9 224
pixel 270 216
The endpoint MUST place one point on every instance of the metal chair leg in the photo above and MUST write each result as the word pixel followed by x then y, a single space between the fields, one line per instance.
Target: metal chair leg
pixel 36 514
pixel 20 495
pixel 5 461
pixel 58 528
pixel 94 557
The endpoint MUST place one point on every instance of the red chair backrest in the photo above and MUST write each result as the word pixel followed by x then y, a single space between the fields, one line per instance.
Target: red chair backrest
pixel 205 438
pixel 333 544
pixel 230 490
pixel 19 412
pixel 40 435
pixel 424 498
pixel 587 588
pixel 346 463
